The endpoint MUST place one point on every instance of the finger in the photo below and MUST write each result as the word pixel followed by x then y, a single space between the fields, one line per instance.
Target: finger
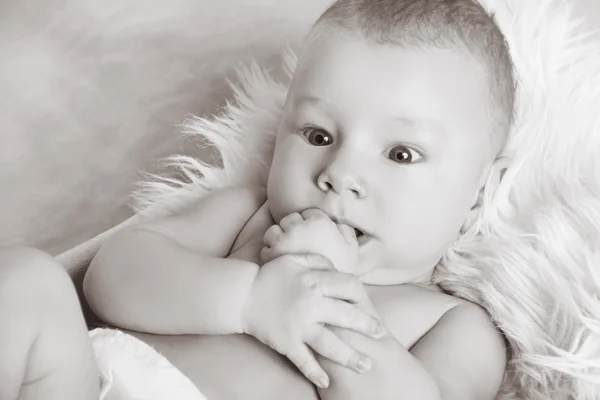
pixel 345 315
pixel 305 361
pixel 338 285
pixel 348 233
pixel 341 286
pixel 314 213
pixel 289 221
pixel 328 345
pixel 272 236
pixel 268 254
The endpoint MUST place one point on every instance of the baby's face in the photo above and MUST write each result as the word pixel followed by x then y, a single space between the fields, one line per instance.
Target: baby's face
pixel 394 141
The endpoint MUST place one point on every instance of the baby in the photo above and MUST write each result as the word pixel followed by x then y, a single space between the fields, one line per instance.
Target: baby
pixel 393 126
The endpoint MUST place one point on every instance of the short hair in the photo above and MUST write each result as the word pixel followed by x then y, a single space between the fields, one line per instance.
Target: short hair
pixel 462 24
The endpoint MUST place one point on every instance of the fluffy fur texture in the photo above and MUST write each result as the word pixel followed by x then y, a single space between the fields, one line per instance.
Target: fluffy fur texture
pixel 531 259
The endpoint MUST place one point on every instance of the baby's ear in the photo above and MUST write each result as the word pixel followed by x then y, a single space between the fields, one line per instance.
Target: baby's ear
pixel 497 171
pixel 489 185
pixel 491 179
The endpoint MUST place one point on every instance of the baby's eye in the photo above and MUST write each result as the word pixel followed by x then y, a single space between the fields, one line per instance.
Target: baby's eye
pixel 317 137
pixel 404 155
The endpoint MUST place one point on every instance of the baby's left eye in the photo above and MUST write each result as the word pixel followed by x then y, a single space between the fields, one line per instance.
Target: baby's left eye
pixel 317 137
pixel 404 155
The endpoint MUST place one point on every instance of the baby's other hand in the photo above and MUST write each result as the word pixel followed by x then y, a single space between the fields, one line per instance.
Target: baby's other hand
pixel 294 304
pixel 314 232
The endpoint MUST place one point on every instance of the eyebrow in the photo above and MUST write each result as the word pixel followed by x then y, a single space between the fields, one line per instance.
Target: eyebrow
pixel 422 124
pixel 309 99
pixel 324 107
pixel 428 125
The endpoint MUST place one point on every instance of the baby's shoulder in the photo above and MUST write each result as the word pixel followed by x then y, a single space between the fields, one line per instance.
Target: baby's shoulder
pixel 410 311
pixel 236 196
pixel 224 203
pixel 211 224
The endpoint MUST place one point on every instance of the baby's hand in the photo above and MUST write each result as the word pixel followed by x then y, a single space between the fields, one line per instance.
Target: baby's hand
pixel 312 232
pixel 296 301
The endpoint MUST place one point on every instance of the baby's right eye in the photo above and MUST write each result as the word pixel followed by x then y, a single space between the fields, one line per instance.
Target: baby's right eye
pixel 317 137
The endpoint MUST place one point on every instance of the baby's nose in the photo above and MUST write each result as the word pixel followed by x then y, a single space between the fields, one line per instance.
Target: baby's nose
pixel 341 182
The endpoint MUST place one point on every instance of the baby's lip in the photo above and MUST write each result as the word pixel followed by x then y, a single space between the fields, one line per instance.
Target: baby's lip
pixel 344 221
pixel 338 218
pixel 361 238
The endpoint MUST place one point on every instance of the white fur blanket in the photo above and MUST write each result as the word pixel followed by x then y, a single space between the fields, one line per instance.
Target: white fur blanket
pixel 533 259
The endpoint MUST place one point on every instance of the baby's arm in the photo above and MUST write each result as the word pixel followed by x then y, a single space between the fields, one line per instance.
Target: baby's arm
pixel 465 354
pixel 45 351
pixel 463 357
pixel 170 276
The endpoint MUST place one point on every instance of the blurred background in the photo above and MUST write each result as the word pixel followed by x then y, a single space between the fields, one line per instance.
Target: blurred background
pixel 91 92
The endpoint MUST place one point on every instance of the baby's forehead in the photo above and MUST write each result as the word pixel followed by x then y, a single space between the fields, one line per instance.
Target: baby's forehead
pixel 431 117
pixel 330 59
pixel 326 40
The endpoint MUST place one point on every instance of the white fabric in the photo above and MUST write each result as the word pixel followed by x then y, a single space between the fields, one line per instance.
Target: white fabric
pixel 132 370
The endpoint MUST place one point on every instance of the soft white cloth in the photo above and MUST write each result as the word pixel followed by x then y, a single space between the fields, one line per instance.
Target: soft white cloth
pixel 132 370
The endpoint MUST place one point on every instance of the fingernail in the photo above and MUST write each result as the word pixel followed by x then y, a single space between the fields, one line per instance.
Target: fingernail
pixel 363 365
pixel 379 332
pixel 323 382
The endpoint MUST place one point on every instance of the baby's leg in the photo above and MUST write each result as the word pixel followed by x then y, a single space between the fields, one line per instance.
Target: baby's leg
pixel 45 351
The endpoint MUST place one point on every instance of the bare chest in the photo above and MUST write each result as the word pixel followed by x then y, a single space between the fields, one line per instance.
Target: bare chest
pixel 410 311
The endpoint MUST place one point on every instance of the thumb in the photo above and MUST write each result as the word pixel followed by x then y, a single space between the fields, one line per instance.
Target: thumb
pixel 348 234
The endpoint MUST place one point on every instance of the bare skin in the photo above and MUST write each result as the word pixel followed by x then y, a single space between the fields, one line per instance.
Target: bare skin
pixel 260 373
pixel 42 323
pixel 233 367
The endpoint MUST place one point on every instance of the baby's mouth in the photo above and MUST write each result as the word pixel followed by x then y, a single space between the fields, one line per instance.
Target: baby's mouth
pixel 361 237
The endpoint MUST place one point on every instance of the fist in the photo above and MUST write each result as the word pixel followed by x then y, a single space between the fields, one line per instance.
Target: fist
pixel 312 232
